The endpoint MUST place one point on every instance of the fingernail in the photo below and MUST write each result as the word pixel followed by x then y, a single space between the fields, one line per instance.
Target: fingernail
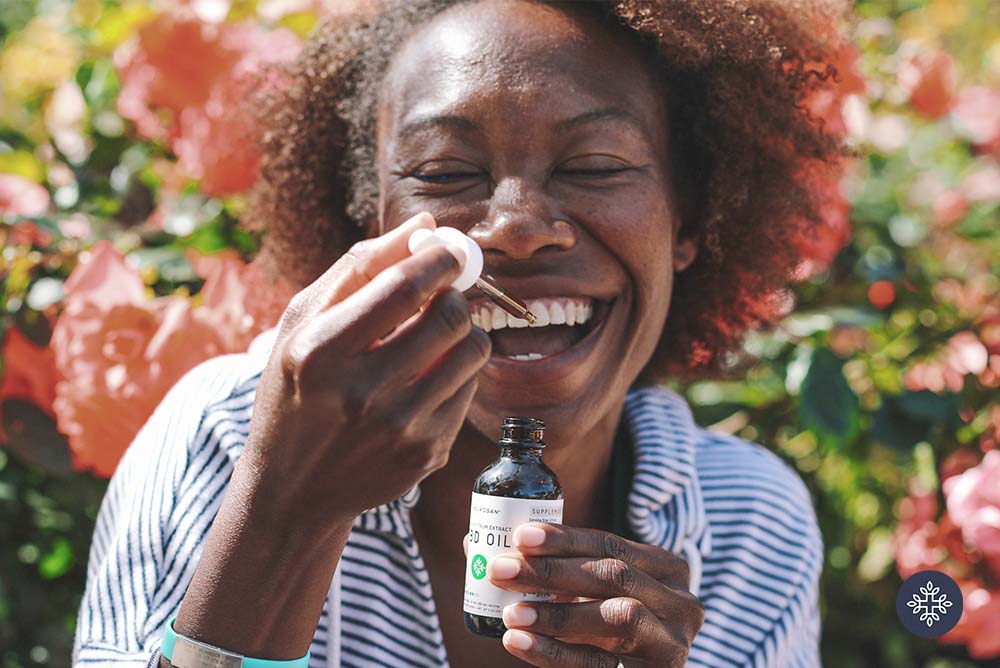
pixel 519 615
pixel 505 568
pixel 518 640
pixel 529 536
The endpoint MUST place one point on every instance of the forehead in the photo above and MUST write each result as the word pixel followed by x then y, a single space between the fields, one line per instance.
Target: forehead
pixel 521 58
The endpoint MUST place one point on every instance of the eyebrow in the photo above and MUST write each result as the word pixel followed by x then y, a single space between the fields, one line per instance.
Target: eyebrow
pixel 464 124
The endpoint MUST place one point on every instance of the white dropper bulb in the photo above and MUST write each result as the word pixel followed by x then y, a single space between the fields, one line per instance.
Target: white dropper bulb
pixel 473 267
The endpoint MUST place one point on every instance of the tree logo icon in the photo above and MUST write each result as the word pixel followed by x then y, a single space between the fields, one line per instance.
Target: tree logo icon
pixel 478 567
pixel 929 604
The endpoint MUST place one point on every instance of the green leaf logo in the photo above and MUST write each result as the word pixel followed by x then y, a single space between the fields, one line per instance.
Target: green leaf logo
pixel 479 567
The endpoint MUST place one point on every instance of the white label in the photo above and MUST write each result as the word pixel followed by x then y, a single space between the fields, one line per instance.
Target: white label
pixel 491 529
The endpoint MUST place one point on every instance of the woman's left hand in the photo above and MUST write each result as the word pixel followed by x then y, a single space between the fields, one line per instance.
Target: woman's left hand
pixel 632 608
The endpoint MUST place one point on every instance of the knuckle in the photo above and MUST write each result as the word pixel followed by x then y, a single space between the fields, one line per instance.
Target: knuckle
pixel 360 251
pixel 684 569
pixel 297 307
pixel 479 342
pixel 356 400
pixel 408 289
pixel 544 569
pixel 615 547
pixel 454 312
pixel 600 660
pixel 557 616
pixel 697 616
pixel 397 423
pixel 295 352
pixel 626 614
pixel 617 574
pixel 438 458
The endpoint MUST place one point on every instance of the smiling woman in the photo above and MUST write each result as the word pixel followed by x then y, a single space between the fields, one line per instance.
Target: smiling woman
pixel 629 170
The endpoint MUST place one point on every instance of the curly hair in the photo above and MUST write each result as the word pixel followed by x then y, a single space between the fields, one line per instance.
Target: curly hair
pixel 738 74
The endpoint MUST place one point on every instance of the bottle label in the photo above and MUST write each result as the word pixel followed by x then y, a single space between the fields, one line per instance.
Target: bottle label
pixel 491 529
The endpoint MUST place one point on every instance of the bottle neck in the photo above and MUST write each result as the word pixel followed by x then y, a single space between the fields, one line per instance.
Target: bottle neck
pixel 520 452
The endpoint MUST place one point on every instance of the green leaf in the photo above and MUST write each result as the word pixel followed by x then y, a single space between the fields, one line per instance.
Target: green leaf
pixel 829 406
pixel 58 561
pixel 909 418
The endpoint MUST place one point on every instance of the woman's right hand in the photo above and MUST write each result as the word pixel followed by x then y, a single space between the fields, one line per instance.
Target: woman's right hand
pixel 368 382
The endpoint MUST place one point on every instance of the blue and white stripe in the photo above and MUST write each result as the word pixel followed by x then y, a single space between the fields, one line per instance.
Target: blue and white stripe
pixel 742 519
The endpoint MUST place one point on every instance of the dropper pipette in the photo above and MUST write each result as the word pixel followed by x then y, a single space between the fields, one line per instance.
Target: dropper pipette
pixel 472 271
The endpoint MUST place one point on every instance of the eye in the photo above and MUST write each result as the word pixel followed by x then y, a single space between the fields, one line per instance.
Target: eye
pixel 593 173
pixel 447 177
pixel 592 167
pixel 445 172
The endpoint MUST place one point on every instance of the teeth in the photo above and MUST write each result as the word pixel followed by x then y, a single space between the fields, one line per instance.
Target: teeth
pixel 540 312
pixel 527 356
pixel 557 316
pixel 499 319
pixel 516 323
pixel 547 311
pixel 571 313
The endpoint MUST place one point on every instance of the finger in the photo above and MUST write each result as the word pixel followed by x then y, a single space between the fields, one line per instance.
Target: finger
pixel 542 539
pixel 593 578
pixel 367 259
pixel 539 650
pixel 381 305
pixel 450 371
pixel 465 546
pixel 628 626
pixel 411 348
pixel 453 410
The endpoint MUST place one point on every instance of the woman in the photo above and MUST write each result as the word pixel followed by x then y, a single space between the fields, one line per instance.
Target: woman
pixel 618 160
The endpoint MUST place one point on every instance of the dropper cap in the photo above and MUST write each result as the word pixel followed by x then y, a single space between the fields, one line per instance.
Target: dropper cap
pixel 472 272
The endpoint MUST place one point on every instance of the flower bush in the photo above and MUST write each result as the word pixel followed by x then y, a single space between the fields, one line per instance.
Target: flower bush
pixel 125 154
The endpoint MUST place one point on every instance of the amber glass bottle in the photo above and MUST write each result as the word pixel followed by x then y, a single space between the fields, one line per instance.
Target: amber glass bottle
pixel 516 488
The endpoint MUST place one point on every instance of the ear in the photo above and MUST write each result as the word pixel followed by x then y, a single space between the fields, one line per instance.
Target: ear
pixel 685 251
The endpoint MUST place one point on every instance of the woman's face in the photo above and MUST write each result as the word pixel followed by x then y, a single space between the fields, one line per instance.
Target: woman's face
pixel 543 137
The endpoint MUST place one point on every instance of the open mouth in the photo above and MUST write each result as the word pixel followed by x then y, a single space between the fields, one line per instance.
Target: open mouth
pixel 561 323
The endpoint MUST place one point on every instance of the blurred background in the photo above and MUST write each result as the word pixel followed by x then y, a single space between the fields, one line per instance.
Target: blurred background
pixel 123 173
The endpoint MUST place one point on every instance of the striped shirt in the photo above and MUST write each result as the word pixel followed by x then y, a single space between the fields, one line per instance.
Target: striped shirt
pixel 740 517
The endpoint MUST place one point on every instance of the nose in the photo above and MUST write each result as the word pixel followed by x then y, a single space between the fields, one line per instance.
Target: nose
pixel 520 223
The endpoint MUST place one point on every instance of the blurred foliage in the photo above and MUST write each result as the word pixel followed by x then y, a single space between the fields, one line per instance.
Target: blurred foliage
pixel 834 389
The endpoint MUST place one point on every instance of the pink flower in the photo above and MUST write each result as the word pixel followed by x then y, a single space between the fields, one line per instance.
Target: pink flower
pixel 118 353
pixel 982 183
pixel 236 297
pixel 977 115
pixel 949 208
pixel 974 503
pixel 929 79
pixel 966 353
pixel 187 81
pixel 979 627
pixel 29 373
pixel 22 197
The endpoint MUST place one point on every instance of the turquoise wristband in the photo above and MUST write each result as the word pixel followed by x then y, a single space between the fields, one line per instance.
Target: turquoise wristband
pixel 170 638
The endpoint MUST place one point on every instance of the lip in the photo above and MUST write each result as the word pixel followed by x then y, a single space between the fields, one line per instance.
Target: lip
pixel 507 371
